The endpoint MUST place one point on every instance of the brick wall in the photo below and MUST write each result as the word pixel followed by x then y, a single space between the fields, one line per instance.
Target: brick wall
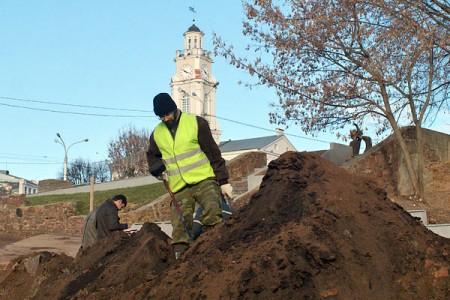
pixel 56 217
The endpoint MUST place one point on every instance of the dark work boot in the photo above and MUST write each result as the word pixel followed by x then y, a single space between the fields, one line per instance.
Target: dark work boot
pixel 179 249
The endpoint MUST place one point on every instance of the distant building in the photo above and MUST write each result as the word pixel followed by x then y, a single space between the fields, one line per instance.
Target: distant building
pixel 273 146
pixel 193 84
pixel 12 185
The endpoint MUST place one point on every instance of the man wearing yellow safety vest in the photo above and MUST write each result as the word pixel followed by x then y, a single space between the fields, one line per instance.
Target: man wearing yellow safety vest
pixel 183 152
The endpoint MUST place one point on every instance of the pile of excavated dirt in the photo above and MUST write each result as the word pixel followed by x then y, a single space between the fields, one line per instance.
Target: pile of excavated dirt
pixel 312 231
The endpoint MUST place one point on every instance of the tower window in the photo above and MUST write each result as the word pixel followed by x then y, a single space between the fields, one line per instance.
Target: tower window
pixel 185 104
pixel 189 43
pixel 195 43
pixel 205 106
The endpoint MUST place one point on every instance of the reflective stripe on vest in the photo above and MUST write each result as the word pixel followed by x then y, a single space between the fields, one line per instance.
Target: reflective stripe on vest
pixel 185 162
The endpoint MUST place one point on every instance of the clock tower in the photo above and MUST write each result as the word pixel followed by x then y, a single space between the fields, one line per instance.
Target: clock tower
pixel 193 85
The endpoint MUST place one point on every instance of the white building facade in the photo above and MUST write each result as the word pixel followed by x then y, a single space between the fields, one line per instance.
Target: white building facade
pixel 12 185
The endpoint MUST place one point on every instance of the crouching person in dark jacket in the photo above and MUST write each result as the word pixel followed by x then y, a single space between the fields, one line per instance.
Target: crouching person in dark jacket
pixel 107 218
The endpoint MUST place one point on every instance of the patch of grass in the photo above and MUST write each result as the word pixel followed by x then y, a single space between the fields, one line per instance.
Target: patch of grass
pixel 136 197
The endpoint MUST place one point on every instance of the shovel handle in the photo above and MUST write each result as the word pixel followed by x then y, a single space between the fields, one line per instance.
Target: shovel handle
pixel 177 207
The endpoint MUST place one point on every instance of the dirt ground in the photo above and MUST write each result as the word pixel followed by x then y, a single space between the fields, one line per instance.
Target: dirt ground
pixel 12 246
pixel 312 231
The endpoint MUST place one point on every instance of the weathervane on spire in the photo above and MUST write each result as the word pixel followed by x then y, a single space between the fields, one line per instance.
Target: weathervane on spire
pixel 192 9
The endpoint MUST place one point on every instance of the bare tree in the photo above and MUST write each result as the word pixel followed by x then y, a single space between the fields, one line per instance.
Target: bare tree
pixel 437 12
pixel 127 153
pixel 336 62
pixel 80 171
pixel 102 171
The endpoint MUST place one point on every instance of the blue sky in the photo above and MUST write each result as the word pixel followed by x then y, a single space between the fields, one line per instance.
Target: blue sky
pixel 112 54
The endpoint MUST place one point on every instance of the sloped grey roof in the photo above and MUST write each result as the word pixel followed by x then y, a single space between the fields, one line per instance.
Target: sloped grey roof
pixel 194 28
pixel 9 177
pixel 247 144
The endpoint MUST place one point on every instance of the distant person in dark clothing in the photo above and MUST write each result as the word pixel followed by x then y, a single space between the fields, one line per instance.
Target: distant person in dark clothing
pixel 356 136
pixel 107 218
pixel 90 229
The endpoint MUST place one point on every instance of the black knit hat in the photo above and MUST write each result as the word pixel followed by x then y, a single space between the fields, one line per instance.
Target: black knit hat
pixel 163 104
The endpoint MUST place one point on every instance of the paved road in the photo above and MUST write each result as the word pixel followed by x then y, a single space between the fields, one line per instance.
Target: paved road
pixel 11 248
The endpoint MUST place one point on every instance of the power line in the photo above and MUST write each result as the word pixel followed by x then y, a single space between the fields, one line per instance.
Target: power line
pixel 46 163
pixel 266 129
pixel 128 116
pixel 24 159
pixel 73 112
pixel 28 163
pixel 19 156
pixel 75 105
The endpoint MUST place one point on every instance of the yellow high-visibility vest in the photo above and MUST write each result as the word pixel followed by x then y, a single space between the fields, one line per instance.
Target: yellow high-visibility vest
pixel 185 161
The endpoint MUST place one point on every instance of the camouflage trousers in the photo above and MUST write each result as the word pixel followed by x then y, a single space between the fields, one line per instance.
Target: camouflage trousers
pixel 207 193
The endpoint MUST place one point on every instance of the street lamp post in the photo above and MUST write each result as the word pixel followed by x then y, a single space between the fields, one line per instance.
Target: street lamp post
pixel 66 149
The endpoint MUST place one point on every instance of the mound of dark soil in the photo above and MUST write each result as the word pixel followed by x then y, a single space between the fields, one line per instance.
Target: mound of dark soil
pixel 107 270
pixel 312 231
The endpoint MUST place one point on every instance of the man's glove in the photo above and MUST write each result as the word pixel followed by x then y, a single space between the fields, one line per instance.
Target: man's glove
pixel 227 190
pixel 157 169
pixel 163 176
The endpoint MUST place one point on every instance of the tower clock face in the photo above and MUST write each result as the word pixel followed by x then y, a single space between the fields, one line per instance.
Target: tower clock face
pixel 205 72
pixel 186 72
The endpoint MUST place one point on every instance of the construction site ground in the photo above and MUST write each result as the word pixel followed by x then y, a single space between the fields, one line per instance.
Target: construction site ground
pixel 312 231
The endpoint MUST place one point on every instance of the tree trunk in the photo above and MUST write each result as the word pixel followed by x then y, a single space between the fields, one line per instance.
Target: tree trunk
pixel 414 181
pixel 420 163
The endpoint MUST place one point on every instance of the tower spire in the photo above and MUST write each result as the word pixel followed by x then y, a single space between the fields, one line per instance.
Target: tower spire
pixel 192 9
